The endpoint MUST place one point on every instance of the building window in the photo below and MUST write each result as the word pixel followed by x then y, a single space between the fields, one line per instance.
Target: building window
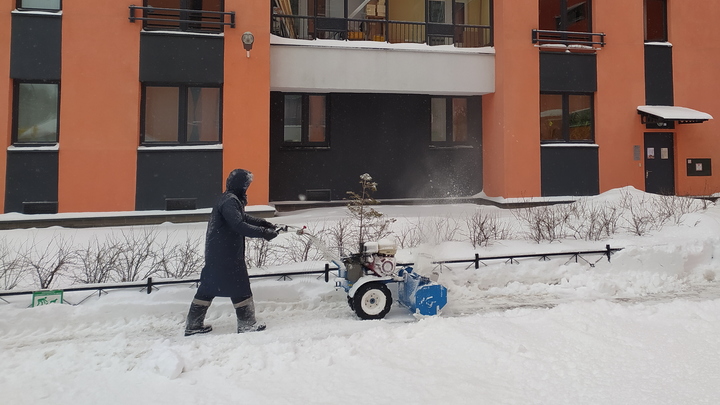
pixel 185 15
pixel 39 4
pixel 656 21
pixel 448 120
pixel 36 110
pixel 305 120
pixel 181 115
pixel 566 118
pixel 565 15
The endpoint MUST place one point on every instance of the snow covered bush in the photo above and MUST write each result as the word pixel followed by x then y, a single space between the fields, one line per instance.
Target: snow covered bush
pixel 371 224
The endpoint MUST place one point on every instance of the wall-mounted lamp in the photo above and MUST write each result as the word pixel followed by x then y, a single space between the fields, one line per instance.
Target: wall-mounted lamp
pixel 248 39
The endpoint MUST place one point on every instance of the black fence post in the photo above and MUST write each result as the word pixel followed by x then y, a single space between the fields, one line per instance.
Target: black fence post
pixel 477 261
pixel 327 272
pixel 609 252
pixel 149 285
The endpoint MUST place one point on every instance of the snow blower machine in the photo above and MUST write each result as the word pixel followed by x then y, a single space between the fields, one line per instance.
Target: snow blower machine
pixel 365 277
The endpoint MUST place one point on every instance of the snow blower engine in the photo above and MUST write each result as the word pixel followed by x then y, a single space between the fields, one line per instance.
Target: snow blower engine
pixel 365 278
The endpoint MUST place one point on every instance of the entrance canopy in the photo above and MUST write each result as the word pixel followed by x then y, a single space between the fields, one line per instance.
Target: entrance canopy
pixel 683 115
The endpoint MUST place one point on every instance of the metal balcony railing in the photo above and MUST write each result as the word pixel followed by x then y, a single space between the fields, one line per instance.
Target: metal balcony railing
pixel 177 19
pixel 310 27
pixel 569 39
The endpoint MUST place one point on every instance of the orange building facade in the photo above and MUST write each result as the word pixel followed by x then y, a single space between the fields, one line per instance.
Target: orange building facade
pixel 116 106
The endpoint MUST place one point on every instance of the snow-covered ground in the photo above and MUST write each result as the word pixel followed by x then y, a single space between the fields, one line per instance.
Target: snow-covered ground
pixel 643 328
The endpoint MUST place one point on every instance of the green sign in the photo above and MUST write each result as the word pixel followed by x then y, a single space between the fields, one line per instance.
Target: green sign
pixel 47 297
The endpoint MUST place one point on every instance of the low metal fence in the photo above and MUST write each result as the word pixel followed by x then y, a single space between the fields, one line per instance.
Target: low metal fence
pixel 149 285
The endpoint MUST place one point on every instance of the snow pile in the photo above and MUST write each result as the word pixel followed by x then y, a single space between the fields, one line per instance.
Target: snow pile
pixel 641 328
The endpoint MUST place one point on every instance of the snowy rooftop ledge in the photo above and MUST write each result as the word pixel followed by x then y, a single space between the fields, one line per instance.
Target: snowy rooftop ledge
pixel 117 218
pixel 525 200
pixel 334 43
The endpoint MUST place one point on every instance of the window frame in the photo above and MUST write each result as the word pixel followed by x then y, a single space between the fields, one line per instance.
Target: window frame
pixel 449 124
pixel 16 113
pixel 305 142
pixel 183 114
pixel 664 22
pixel 566 118
pixel 19 6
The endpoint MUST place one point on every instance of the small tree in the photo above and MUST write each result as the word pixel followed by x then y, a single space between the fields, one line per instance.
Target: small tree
pixel 360 208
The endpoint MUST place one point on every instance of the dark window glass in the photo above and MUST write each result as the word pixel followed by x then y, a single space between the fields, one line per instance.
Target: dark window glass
pixel 449 119
pixel 293 118
pixel 203 117
pixel 316 118
pixel 566 118
pixel 565 15
pixel 181 115
pixel 161 114
pixel 580 117
pixel 656 20
pixel 438 119
pixel 37 110
pixel 551 122
pixel 305 120
pixel 39 4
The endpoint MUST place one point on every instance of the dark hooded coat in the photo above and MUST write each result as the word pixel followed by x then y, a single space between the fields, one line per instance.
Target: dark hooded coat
pixel 225 272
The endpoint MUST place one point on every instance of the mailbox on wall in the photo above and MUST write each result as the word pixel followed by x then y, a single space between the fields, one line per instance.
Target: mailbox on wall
pixel 699 167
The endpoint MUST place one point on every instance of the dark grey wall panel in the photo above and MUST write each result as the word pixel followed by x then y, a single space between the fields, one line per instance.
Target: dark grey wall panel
pixel 569 171
pixel 35 47
pixel 658 75
pixel 181 58
pixel 165 174
pixel 31 176
pixel 385 135
pixel 568 72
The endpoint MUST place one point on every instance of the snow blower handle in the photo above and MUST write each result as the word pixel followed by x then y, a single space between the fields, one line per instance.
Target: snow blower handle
pixel 290 228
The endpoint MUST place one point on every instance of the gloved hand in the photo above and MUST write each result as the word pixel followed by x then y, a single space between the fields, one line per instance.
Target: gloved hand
pixel 269 234
pixel 268 224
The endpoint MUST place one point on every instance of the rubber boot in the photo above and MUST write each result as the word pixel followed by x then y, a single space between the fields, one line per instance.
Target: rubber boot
pixel 245 311
pixel 196 318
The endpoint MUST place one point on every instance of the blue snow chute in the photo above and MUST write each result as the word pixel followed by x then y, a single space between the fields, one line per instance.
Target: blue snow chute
pixel 420 294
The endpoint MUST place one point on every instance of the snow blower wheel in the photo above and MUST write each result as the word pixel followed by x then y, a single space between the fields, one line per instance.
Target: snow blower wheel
pixel 372 301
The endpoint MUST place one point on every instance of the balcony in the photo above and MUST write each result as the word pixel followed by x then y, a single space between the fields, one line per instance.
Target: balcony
pixel 182 19
pixel 461 23
pixel 568 41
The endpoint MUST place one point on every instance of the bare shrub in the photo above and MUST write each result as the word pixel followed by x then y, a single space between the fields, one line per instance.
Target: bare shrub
pixel 303 249
pixel 546 222
pixel 640 220
pixel 10 267
pixel 483 227
pixel 97 262
pixel 51 260
pixel 592 221
pixel 137 254
pixel 341 236
pixel 411 235
pixel 181 260
pixel 258 252
pixel 674 208
pixel 379 229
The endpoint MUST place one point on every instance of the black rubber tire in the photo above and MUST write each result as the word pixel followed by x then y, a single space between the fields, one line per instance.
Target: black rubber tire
pixel 372 301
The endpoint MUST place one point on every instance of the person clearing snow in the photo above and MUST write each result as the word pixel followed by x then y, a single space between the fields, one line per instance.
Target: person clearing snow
pixel 225 272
